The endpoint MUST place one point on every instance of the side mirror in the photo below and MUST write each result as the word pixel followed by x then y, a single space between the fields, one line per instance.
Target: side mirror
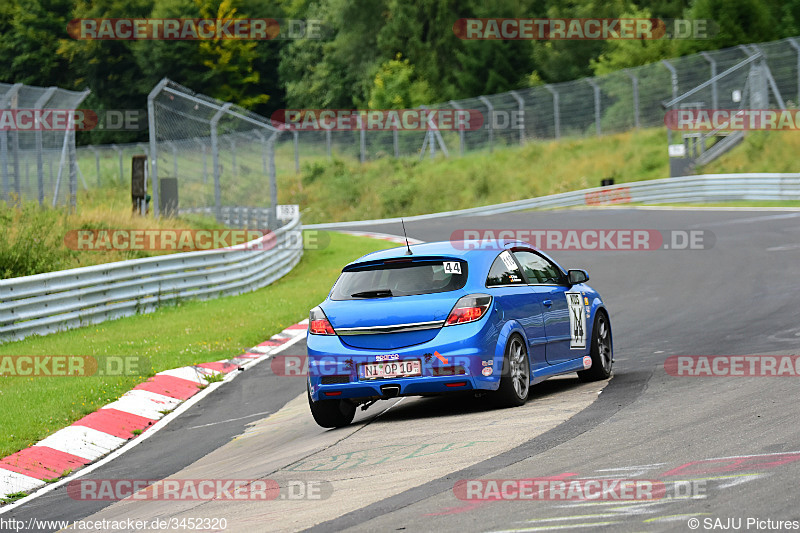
pixel 578 276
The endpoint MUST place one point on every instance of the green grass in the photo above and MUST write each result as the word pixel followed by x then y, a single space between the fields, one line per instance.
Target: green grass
pixel 188 333
pixel 344 189
pixel 32 239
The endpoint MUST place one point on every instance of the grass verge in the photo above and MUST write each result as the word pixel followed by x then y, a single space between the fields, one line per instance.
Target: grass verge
pixel 188 333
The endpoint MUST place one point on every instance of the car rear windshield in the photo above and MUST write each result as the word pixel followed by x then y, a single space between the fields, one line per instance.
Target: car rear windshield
pixel 401 279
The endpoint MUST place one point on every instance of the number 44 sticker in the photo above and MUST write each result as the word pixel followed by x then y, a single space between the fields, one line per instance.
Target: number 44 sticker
pixel 452 267
pixel 577 324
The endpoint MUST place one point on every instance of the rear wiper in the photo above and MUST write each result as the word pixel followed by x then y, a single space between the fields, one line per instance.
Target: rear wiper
pixel 377 293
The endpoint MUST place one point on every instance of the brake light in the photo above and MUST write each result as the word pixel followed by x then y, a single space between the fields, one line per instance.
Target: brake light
pixel 318 323
pixel 469 309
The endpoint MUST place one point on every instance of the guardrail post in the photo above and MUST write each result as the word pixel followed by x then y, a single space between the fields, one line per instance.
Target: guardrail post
pixel 215 159
pixel 556 110
pixel 635 87
pixel 40 103
pixel 521 103
pixel 153 153
pixel 490 108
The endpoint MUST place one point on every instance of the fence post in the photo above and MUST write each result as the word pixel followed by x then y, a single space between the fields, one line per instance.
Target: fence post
pixel 521 103
pixel 596 104
pixel 234 165
pixel 72 161
pixel 362 133
pixel 328 143
pixel 713 63
pixel 796 47
pixel 490 108
pixel 456 106
pixel 296 141
pixel 263 150
pixel 153 152
pixel 96 163
pixel 40 103
pixel 556 110
pixel 273 184
pixel 4 101
pixel 674 76
pixel 118 150
pixel 205 162
pixel 635 86
pixel 215 159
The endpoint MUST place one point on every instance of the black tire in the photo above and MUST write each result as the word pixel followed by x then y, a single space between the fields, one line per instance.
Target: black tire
pixel 601 351
pixel 516 375
pixel 331 413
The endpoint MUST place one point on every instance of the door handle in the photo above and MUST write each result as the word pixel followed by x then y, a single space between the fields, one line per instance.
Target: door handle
pixel 547 303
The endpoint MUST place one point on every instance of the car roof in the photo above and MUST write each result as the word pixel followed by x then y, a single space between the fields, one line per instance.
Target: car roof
pixel 469 250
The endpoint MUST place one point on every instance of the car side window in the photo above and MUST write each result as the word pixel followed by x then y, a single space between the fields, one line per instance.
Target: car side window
pixel 538 269
pixel 504 271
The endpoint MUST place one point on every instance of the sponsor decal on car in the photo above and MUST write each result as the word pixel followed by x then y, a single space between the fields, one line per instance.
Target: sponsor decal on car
pixel 587 362
pixel 388 357
pixel 577 323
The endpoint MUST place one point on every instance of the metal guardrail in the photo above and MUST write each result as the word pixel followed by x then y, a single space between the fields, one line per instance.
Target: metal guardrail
pixel 55 301
pixel 235 215
pixel 697 189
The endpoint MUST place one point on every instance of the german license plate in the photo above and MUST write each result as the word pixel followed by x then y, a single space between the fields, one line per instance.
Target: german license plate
pixel 391 369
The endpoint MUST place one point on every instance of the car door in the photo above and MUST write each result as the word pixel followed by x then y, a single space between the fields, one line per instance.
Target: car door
pixel 550 284
pixel 515 300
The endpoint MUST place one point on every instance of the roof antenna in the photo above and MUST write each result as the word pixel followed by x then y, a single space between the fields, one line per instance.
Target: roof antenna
pixel 406 236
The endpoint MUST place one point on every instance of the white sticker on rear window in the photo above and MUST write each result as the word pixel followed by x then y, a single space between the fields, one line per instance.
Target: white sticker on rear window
pixel 577 323
pixel 508 260
pixel 452 267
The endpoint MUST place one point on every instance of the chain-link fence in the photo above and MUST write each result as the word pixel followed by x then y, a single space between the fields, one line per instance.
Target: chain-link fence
pixel 37 144
pixel 223 156
pixel 613 103
pixel 216 153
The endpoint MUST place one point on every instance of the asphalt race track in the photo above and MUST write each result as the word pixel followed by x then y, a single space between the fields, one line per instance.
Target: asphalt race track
pixel 723 448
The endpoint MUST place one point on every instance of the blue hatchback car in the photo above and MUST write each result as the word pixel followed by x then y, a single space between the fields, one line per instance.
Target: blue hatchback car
pixel 446 317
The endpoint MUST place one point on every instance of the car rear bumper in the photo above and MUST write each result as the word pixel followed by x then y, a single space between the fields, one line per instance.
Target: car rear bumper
pixel 459 358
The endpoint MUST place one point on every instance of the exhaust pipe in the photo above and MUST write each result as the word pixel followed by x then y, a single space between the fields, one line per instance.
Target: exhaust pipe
pixel 390 391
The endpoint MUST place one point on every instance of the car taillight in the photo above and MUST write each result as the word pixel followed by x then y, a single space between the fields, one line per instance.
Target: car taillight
pixel 318 323
pixel 469 309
